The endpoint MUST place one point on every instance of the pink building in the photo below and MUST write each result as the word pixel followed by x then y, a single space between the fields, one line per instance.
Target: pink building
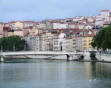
pixel 1 29
pixel 1 35
pixel 19 33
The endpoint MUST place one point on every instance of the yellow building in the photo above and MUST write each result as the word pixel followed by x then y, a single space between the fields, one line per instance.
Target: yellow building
pixel 16 25
pixel 10 33
pixel 19 25
pixel 33 31
pixel 86 43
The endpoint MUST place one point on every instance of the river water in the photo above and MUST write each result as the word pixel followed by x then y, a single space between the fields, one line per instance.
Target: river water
pixel 33 73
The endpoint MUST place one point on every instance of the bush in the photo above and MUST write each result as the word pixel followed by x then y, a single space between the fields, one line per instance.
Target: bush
pixel 93 56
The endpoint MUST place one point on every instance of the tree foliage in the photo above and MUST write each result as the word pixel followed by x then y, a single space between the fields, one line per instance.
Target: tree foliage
pixel 11 43
pixel 93 56
pixel 103 39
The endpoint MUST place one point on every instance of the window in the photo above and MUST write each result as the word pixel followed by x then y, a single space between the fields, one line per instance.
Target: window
pixel 55 43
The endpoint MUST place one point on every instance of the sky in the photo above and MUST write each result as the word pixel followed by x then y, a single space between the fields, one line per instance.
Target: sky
pixel 36 10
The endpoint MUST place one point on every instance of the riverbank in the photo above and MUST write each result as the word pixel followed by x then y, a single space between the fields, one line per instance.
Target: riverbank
pixel 95 61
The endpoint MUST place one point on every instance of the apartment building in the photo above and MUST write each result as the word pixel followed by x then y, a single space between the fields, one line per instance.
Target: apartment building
pixel 33 31
pixel 56 43
pixel 46 42
pixel 79 43
pixel 62 43
pixel 27 24
pixel 86 43
pixel 69 45
pixel 1 29
pixel 59 25
pixel 19 32
pixel 15 25
pixel 33 43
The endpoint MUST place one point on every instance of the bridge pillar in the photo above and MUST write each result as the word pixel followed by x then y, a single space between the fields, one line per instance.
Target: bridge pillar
pixel 81 57
pixel 1 59
pixel 68 57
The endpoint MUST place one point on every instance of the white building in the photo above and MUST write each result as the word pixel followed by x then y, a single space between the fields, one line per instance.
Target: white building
pixel 33 43
pixel 69 45
pixel 1 29
pixel 56 43
pixel 59 25
pixel 91 19
pixel 46 42
pixel 42 26
pixel 81 25
pixel 78 18
pixel 27 24
pixel 79 44
pixel 61 43
pixel 105 13
pixel 88 26
pixel 99 20
pixel 72 25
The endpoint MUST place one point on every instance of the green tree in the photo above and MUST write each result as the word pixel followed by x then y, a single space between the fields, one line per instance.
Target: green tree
pixel 103 39
pixel 12 43
pixel 93 56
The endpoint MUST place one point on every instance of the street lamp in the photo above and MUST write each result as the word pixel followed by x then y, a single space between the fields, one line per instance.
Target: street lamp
pixel 14 47
pixel 1 48
pixel 25 46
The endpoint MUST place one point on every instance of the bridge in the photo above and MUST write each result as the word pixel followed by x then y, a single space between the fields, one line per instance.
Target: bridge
pixel 68 54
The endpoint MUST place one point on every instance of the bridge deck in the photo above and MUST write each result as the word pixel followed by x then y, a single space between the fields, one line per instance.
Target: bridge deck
pixel 39 53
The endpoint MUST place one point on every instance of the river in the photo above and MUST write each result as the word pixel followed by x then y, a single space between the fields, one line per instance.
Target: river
pixel 33 73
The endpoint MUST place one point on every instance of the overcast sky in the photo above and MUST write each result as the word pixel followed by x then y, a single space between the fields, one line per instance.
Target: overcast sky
pixel 49 9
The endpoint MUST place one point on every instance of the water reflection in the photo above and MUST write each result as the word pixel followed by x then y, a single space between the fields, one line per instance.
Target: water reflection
pixel 34 73
pixel 101 70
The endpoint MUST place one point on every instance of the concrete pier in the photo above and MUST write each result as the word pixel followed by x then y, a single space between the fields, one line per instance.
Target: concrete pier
pixel 67 57
pixel 1 59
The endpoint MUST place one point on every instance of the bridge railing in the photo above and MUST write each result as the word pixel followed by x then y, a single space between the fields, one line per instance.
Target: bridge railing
pixel 39 53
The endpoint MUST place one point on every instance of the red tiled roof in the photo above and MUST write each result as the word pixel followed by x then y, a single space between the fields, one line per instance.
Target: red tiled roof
pixel 105 10
pixel 18 30
pixel 29 22
pixel 6 28
pixel 12 22
pixel 1 23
